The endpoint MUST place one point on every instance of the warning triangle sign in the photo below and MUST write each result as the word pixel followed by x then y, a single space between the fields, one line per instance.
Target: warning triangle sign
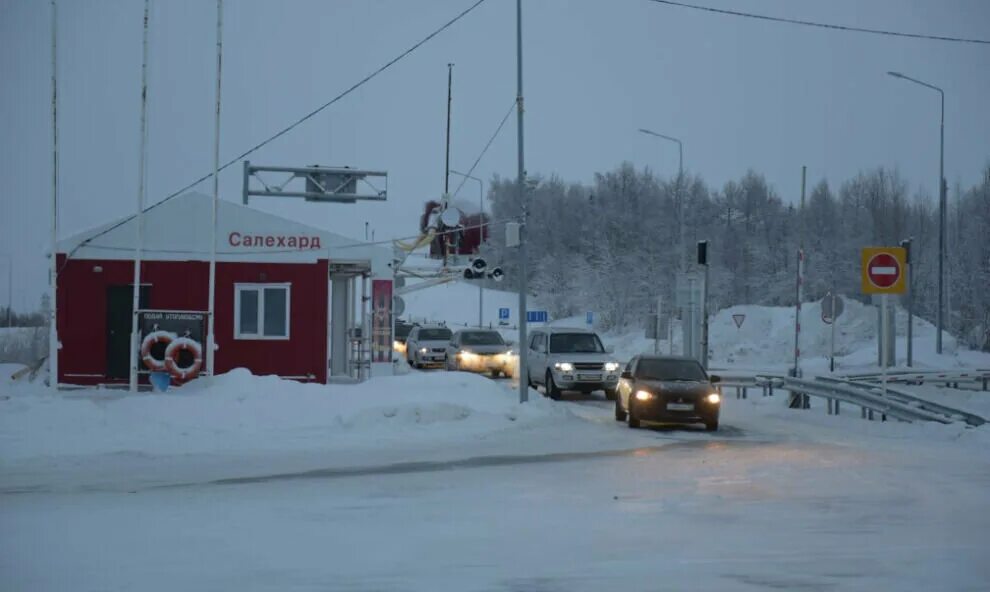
pixel 738 319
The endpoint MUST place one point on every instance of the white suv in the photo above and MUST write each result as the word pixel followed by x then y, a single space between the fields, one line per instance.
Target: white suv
pixel 570 359
pixel 427 346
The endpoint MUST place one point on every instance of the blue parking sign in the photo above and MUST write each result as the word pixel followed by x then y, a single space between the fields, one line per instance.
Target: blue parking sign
pixel 503 314
pixel 589 318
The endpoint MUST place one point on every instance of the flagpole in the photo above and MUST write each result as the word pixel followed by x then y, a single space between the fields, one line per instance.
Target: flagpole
pixel 142 157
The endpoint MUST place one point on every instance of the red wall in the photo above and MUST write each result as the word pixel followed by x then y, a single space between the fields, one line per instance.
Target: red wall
pixel 184 285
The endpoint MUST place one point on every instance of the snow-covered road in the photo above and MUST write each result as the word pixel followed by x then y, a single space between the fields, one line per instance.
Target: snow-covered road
pixel 692 514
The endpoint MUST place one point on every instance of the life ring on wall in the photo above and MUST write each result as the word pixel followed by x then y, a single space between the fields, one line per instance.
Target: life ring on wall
pixel 155 337
pixel 172 353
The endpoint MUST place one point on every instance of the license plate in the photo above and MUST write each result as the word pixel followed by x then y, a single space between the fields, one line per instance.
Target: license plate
pixel 680 406
pixel 589 376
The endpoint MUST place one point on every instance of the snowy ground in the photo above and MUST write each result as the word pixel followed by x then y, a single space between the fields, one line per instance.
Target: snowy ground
pixel 442 481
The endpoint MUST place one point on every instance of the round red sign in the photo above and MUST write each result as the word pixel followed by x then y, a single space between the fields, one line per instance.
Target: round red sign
pixel 883 270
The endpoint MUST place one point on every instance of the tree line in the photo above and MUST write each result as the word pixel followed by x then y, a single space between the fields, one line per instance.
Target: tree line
pixel 612 245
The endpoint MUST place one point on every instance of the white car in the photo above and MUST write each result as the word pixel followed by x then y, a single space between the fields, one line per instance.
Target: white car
pixel 426 345
pixel 563 359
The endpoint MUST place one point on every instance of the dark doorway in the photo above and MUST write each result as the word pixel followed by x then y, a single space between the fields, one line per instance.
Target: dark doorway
pixel 119 311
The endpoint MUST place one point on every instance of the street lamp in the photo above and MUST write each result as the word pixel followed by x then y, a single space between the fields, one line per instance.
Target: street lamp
pixel 941 207
pixel 481 235
pixel 680 208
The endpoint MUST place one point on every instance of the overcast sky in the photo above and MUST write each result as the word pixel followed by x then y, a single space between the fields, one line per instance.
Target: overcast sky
pixel 740 94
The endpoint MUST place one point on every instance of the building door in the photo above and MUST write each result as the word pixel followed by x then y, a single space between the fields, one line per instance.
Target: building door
pixel 119 311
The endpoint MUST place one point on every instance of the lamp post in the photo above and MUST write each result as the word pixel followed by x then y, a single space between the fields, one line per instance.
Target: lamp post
pixel 481 236
pixel 682 266
pixel 941 207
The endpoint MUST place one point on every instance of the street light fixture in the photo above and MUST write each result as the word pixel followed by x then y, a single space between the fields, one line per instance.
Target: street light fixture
pixel 481 235
pixel 941 207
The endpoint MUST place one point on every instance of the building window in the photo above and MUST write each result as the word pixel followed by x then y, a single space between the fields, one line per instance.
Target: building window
pixel 261 311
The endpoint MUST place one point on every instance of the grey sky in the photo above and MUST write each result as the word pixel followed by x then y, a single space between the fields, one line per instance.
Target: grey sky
pixel 740 93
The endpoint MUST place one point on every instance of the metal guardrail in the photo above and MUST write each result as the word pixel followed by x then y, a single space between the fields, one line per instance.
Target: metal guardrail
pixel 912 401
pixel 947 377
pixel 896 404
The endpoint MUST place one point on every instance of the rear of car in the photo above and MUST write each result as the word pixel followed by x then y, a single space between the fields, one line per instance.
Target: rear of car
pixel 480 350
pixel 426 346
pixel 667 390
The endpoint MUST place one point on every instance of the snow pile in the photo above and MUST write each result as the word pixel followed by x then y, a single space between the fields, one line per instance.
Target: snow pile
pixel 238 412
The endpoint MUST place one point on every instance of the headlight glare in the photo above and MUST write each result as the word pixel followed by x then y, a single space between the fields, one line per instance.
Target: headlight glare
pixel 643 395
pixel 564 366
pixel 611 366
pixel 713 398
pixel 422 350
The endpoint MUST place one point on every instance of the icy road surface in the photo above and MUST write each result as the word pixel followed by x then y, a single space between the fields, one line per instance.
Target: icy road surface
pixel 687 513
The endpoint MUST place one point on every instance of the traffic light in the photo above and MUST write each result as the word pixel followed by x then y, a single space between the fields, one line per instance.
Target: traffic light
pixel 478 269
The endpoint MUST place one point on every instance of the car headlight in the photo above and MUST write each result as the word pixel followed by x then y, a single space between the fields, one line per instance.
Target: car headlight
pixel 611 366
pixel 564 366
pixel 644 395
pixel 466 355
pixel 423 350
pixel 713 398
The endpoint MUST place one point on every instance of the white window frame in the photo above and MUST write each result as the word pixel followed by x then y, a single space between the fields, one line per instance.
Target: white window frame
pixel 260 289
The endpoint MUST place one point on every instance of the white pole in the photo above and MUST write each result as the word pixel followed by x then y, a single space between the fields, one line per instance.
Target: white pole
pixel 210 337
pixel 831 346
pixel 53 273
pixel 142 154
pixel 883 344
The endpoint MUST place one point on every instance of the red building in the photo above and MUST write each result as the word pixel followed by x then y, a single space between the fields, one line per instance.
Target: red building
pixel 285 292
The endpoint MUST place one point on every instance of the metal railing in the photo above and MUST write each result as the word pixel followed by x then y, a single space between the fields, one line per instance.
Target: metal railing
pixel 951 378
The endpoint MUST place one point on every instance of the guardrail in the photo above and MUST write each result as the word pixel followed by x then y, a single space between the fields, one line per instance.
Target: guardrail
pixel 896 404
pixel 948 377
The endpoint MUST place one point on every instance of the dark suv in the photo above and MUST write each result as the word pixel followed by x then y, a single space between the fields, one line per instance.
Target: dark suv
pixel 667 389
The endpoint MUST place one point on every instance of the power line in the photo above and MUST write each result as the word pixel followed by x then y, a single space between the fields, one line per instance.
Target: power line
pixel 294 125
pixel 464 178
pixel 822 25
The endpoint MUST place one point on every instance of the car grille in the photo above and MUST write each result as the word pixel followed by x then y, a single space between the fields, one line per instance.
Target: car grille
pixel 588 366
pixel 438 350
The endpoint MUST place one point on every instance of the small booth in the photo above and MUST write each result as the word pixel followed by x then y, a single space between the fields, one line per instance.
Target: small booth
pixel 290 300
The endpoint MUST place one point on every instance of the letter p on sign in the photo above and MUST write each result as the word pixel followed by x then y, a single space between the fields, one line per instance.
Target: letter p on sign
pixel 884 270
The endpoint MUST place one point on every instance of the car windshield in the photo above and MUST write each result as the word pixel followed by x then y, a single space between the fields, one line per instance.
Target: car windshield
pixel 670 370
pixel 434 334
pixel 481 338
pixel 575 343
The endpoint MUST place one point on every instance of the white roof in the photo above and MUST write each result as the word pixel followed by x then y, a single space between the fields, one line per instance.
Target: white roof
pixel 179 229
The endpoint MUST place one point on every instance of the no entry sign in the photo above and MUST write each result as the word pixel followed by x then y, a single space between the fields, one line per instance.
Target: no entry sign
pixel 884 270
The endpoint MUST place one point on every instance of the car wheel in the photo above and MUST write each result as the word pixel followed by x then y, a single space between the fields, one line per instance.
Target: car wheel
pixel 611 394
pixel 620 414
pixel 551 387
pixel 631 419
pixel 711 426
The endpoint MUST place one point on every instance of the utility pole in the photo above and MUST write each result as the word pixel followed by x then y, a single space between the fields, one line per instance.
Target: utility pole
pixel 521 185
pixel 53 259
pixel 446 169
pixel 799 401
pixel 703 261
pixel 210 317
pixel 142 157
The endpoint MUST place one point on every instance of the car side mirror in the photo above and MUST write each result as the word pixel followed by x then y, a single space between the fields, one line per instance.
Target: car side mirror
pixel 627 375
pixel 713 378
pixel 610 349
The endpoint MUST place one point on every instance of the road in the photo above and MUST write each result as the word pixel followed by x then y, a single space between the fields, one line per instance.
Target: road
pixel 745 508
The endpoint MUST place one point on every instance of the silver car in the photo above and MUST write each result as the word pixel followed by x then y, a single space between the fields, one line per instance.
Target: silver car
pixel 562 359
pixel 426 345
pixel 480 350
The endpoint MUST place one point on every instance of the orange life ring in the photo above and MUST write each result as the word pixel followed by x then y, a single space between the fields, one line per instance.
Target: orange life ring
pixel 151 339
pixel 172 358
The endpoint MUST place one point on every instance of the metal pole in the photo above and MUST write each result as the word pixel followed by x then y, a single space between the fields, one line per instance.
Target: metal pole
pixel 704 317
pixel 142 155
pixel 800 280
pixel 210 318
pixel 656 342
pixel 831 346
pixel 10 291
pixel 446 169
pixel 906 244
pixel 884 345
pixel 53 269
pixel 941 225
pixel 520 181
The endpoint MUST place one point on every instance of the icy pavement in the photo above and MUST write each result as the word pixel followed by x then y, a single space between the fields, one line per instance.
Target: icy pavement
pixel 692 515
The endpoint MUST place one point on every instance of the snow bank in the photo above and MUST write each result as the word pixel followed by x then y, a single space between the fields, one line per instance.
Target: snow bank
pixel 238 412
